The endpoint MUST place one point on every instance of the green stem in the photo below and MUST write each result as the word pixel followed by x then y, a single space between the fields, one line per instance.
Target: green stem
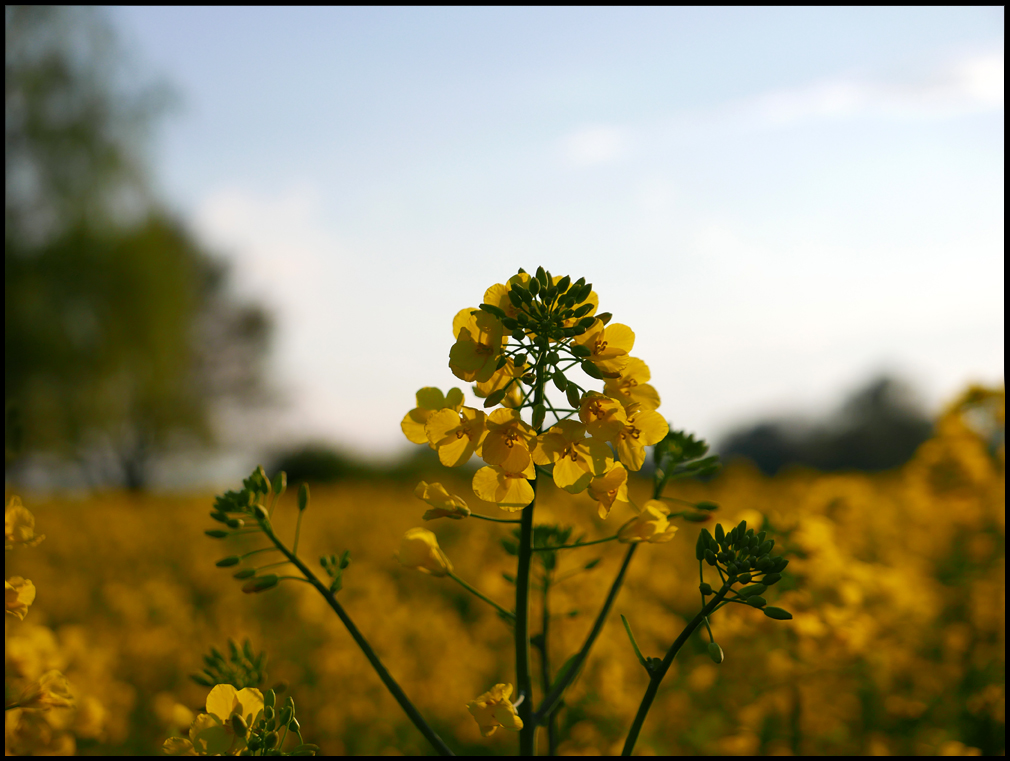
pixel 391 684
pixel 551 699
pixel 660 672
pixel 298 531
pixel 573 546
pixel 495 520
pixel 485 598
pixel 257 552
pixel 545 668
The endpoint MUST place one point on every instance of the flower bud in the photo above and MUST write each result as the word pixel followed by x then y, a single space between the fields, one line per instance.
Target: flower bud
pixel 269 699
pixel 515 297
pixel 419 550
pixel 757 601
pixel 560 381
pixel 753 589
pixel 260 584
pixel 235 523
pixel 245 573
pixel 715 652
pixel 705 587
pixel 604 317
pixel 228 561
pixel 778 614
pixel 563 284
pixel 574 398
pixel 239 726
pixel 772 578
pixel 539 413
pixel 303 496
pixel 534 287
pixel 592 370
pixel 261 512
pixel 495 398
pixel 710 557
pixel 216 533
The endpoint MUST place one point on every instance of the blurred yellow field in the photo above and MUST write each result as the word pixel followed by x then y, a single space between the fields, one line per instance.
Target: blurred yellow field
pixel 896 582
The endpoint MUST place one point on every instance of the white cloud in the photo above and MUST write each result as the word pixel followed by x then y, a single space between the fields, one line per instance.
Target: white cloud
pixel 597 144
pixel 967 85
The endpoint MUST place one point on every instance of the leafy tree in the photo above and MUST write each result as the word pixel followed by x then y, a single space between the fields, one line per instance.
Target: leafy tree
pixel 120 334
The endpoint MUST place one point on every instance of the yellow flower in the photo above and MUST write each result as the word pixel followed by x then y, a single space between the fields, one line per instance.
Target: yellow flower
pixel 643 429
pixel 576 459
pixel 604 417
pixel 50 691
pixel 608 345
pixel 456 435
pixel 498 380
pixel 213 733
pixel 631 387
pixel 498 295
pixel 651 525
pixel 429 401
pixel 419 550
pixel 610 488
pixel 443 504
pixel 507 443
pixel 19 526
pixel 493 709
pixel 509 490
pixel 18 595
pixel 479 339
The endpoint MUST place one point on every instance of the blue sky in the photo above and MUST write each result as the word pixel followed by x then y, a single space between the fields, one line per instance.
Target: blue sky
pixel 780 202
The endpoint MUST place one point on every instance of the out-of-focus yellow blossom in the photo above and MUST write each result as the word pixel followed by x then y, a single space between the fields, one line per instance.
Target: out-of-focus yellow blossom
pixel 603 416
pixel 651 525
pixel 18 595
pixel 213 733
pixel 510 491
pixel 171 712
pixel 610 488
pixel 19 526
pixel 429 401
pixel 51 690
pixel 632 387
pixel 608 345
pixel 498 380
pixel 507 443
pixel 493 709
pixel 419 550
pixel 479 339
pixel 576 459
pixel 643 429
pixel 443 504
pixel 456 435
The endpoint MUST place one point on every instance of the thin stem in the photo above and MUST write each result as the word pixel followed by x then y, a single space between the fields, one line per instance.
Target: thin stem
pixel 494 520
pixel 298 531
pixel 484 597
pixel 545 668
pixel 391 684
pixel 660 671
pixel 552 697
pixel 573 546
pixel 257 552
pixel 12 705
pixel 273 565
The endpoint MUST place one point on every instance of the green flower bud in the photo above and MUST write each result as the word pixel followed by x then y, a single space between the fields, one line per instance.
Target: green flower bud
pixel 493 310
pixel 219 517
pixel 604 317
pixel 228 561
pixel 771 578
pixel 700 547
pixel 583 310
pixel 585 323
pixel 539 413
pixel 255 743
pixel 757 601
pixel 518 335
pixel 260 584
pixel 563 284
pixel 261 512
pixel 709 557
pixel 764 563
pixel 239 726
pixel 560 381
pixel 715 652
pixel 236 523
pixel 779 564
pixel 592 370
pixel 284 716
pixel 705 587
pixel 574 397
pixel 753 589
pixel 534 286
pixel 270 740
pixel 720 534
pixel 216 533
pixel 778 614
pixel 245 573
pixel 495 398
pixel 515 297
pixel 744 578
pixel 766 547
pixel 580 351
pixel 519 360
pixel 510 323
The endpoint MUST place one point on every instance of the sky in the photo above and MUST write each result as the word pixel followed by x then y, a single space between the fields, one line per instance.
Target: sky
pixel 781 203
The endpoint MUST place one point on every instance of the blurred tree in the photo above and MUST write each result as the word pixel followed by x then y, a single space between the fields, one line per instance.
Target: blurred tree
pixel 120 334
pixel 879 427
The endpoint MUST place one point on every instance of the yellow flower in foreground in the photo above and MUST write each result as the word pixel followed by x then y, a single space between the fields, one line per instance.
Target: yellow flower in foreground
pixel 19 526
pixel 603 417
pixel 608 345
pixel 456 435
pixel 508 440
pixel 610 488
pixel 443 504
pixel 50 691
pixel 510 491
pixel 429 401
pixel 576 459
pixel 213 733
pixel 474 356
pixel 419 550
pixel 651 525
pixel 643 429
pixel 18 595
pixel 493 709
pixel 632 387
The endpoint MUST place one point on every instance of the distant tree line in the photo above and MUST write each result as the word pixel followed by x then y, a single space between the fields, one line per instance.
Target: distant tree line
pixel 877 428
